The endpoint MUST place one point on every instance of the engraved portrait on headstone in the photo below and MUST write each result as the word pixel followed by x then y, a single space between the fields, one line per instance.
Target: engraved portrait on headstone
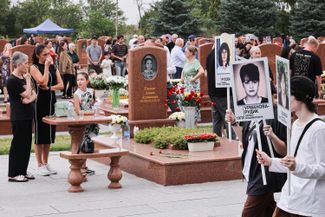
pixel 149 67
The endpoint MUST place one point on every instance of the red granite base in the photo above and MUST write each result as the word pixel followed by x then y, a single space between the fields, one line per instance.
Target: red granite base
pixel 174 167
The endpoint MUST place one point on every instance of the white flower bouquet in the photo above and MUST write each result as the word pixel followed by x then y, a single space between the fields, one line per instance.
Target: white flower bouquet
pixel 122 92
pixel 177 116
pixel 118 119
pixel 116 82
pixel 99 82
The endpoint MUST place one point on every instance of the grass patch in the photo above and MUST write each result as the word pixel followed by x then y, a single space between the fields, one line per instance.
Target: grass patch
pixel 62 143
pixel 162 137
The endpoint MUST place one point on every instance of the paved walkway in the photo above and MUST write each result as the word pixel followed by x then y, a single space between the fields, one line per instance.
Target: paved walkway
pixel 47 196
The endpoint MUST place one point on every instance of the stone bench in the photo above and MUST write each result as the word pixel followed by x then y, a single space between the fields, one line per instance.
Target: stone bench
pixel 75 177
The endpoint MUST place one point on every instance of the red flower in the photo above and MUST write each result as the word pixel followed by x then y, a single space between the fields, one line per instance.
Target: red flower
pixel 198 101
pixel 213 103
pixel 201 94
pixel 177 109
pixel 173 102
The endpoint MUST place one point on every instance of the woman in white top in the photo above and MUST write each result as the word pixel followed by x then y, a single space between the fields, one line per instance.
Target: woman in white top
pixel 307 162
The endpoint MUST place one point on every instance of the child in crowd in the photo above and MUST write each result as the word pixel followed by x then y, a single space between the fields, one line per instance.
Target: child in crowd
pixel 84 99
pixel 92 73
pixel 107 65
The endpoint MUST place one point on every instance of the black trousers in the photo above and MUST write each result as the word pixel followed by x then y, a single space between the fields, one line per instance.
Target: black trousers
pixel 259 206
pixel 20 147
pixel 68 78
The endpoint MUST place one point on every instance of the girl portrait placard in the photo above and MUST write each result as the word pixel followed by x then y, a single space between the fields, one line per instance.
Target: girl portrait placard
pixel 251 90
pixel 224 56
pixel 283 91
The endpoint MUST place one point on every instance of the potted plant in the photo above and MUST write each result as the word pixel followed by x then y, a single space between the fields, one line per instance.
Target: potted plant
pixel 179 117
pixel 116 123
pixel 201 142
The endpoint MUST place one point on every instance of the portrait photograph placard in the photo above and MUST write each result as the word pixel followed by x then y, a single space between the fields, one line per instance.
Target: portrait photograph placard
pixel 224 56
pixel 251 90
pixel 149 67
pixel 283 90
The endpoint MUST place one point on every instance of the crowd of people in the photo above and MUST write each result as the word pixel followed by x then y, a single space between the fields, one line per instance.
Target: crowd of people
pixel 31 93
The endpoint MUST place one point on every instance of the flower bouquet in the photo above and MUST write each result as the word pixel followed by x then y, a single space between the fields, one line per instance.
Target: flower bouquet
pixel 118 119
pixel 179 117
pixel 116 124
pixel 201 142
pixel 115 83
pixel 99 82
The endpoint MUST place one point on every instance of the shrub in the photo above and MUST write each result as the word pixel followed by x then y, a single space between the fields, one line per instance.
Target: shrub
pixel 162 137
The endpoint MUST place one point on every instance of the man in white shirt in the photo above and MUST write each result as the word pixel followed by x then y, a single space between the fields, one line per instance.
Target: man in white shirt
pixel 178 57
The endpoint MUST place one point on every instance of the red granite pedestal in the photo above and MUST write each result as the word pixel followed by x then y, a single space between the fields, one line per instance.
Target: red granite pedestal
pixel 175 167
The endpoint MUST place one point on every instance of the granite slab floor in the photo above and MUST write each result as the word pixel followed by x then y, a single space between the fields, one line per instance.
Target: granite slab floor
pixel 47 196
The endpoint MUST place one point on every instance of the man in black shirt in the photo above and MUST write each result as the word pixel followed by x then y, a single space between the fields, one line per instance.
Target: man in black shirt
pixel 306 63
pixel 218 97
pixel 119 53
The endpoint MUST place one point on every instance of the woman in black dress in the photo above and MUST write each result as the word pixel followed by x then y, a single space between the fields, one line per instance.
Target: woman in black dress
pixel 46 80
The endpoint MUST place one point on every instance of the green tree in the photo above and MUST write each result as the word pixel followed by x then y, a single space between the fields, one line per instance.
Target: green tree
pixel 308 18
pixel 5 6
pixel 174 16
pixel 242 16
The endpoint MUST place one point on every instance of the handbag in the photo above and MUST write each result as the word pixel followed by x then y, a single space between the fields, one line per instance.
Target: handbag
pixel 61 109
pixel 86 146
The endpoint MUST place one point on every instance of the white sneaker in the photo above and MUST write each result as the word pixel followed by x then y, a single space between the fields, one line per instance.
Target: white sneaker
pixel 42 171
pixel 51 170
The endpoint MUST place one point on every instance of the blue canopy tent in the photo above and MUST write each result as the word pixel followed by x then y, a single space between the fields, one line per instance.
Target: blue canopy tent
pixel 47 27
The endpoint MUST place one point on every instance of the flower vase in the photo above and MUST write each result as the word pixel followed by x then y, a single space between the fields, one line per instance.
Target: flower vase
pixel 115 128
pixel 115 99
pixel 180 124
pixel 189 116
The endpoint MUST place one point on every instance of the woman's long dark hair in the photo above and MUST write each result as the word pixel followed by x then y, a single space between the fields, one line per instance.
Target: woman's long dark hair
pixel 224 46
pixel 37 51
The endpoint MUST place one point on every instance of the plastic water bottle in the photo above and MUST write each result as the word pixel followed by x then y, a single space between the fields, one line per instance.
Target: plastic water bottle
pixel 96 109
pixel 71 112
pixel 126 132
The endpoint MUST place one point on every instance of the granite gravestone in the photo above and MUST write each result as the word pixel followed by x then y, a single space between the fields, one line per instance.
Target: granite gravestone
pixel 26 49
pixel 3 42
pixel 81 51
pixel 39 39
pixel 270 51
pixel 147 79
pixel 278 41
pixel 321 53
pixel 204 51
pixel 204 41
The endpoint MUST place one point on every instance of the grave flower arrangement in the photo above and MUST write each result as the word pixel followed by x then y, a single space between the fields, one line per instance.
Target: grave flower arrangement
pixel 177 116
pixel 99 82
pixel 118 119
pixel 185 98
pixel 116 82
pixel 202 137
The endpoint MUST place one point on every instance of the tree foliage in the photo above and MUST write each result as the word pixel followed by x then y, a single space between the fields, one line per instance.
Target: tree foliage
pixel 308 18
pixel 87 17
pixel 174 16
pixel 242 16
